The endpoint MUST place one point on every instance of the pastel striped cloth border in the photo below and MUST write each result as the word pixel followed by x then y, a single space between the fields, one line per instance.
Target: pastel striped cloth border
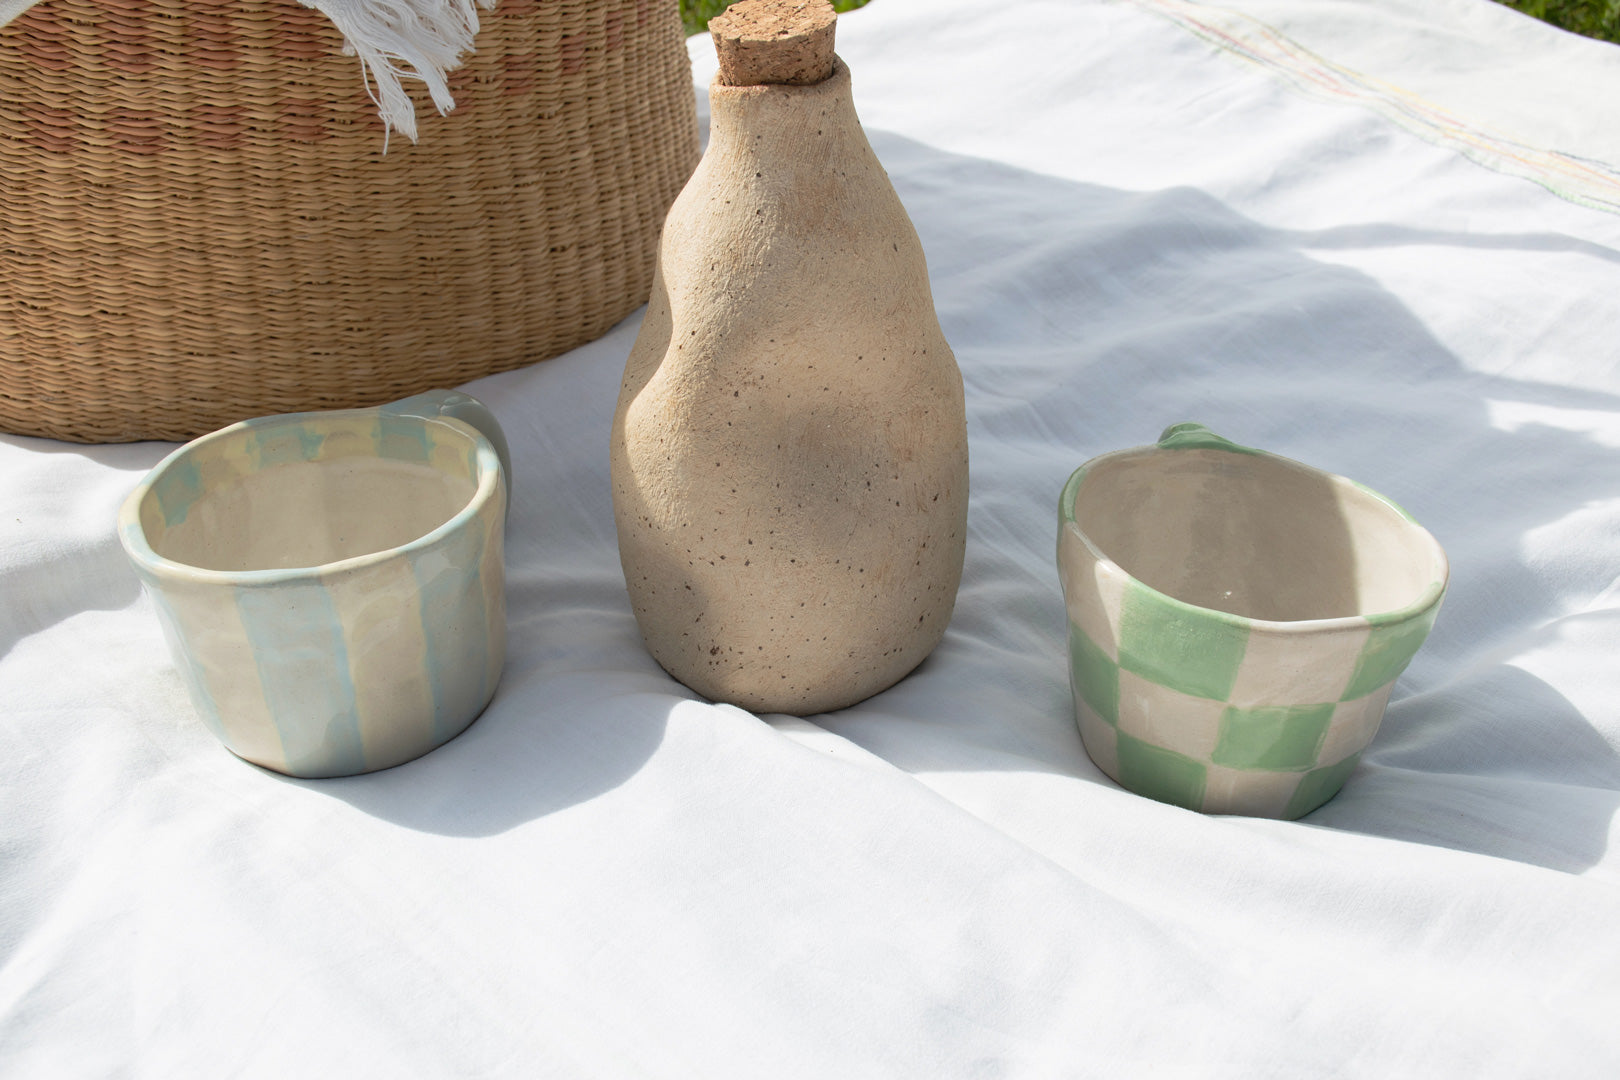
pixel 1580 180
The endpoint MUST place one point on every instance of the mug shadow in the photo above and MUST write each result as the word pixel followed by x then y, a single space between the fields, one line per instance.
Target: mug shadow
pixel 1458 767
pixel 1482 757
pixel 548 741
pixel 581 706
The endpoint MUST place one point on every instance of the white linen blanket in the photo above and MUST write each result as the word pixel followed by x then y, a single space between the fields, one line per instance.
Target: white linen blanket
pixel 1128 224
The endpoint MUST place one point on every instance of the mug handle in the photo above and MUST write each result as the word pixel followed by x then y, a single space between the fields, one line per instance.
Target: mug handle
pixel 1191 435
pixel 434 404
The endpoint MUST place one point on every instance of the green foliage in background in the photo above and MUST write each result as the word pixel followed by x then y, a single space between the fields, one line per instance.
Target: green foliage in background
pixel 1592 18
pixel 697 13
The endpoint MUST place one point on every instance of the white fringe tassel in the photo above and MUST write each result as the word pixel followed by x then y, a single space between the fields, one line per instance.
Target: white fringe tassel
pixel 430 37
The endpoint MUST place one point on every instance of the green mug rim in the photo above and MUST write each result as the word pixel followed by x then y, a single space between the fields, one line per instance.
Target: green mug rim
pixel 1196 436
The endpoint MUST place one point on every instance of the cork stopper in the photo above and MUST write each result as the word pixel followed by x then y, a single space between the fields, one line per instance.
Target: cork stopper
pixel 789 42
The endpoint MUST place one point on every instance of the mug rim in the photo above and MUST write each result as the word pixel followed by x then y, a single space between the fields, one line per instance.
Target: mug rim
pixel 133 536
pixel 1427 599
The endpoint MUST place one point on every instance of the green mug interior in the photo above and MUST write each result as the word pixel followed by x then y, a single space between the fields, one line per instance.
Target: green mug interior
pixel 1254 535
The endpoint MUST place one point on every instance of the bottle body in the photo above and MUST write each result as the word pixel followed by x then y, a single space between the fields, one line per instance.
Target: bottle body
pixel 789 451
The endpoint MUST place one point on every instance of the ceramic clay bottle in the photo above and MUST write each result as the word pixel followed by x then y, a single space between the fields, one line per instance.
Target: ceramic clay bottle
pixel 789 451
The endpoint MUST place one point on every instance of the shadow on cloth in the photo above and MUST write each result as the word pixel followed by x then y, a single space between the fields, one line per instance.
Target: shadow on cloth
pixel 1086 319
pixel 82 567
pixel 581 707
pixel 1501 764
pixel 547 742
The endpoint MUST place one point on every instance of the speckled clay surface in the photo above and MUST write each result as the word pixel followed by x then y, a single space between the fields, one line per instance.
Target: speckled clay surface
pixel 331 584
pixel 1237 620
pixel 789 452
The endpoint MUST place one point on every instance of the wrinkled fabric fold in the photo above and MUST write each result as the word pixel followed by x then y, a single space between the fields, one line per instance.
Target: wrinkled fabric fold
pixel 1125 228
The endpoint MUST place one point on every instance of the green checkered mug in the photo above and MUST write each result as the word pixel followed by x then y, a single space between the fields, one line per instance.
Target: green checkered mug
pixel 1236 620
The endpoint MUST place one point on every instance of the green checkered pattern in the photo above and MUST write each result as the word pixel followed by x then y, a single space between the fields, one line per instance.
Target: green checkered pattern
pixel 1208 711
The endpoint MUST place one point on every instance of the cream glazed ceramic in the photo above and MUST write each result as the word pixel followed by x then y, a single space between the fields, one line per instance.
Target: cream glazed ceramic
pixel 1236 620
pixel 331 584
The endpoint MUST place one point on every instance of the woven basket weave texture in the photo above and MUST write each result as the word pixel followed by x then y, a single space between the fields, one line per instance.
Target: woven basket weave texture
pixel 198 222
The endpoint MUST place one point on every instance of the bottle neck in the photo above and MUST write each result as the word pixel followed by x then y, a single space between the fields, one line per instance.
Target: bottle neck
pixel 776 118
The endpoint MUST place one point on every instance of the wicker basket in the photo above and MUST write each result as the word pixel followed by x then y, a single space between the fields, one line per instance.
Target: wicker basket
pixel 198 223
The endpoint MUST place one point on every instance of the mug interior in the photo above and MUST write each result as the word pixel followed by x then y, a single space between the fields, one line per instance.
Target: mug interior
pixel 1254 535
pixel 308 490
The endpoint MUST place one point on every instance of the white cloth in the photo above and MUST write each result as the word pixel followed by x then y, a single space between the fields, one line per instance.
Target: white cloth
pixel 1488 64
pixel 605 877
pixel 1482 79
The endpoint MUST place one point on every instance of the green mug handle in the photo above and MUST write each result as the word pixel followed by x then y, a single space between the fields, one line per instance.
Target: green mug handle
pixel 1190 435
pixel 433 404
